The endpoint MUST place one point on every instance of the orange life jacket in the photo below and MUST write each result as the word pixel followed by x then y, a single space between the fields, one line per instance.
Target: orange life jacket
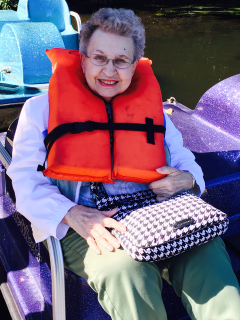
pixel 86 156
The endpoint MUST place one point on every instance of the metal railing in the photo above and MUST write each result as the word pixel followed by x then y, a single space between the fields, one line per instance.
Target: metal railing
pixel 58 280
pixel 56 260
pixel 77 20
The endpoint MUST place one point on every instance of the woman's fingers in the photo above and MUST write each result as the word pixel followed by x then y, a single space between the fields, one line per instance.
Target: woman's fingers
pixel 92 244
pixel 104 237
pixel 101 240
pixel 104 233
pixel 111 223
pixel 171 175
pixel 167 170
pixel 163 188
pixel 91 224
pixel 175 181
pixel 109 213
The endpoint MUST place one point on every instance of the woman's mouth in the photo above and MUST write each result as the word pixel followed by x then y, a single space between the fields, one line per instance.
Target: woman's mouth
pixel 107 83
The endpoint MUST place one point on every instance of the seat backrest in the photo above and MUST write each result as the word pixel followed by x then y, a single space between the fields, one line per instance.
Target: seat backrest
pixel 55 11
pixel 22 10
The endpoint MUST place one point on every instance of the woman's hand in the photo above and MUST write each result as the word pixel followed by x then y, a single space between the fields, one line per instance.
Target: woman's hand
pixel 91 224
pixel 175 182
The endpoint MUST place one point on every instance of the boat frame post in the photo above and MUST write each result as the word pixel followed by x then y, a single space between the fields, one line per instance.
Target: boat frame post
pixel 58 279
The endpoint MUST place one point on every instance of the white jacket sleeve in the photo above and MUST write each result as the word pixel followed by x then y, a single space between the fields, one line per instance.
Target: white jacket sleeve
pixel 36 198
pixel 182 158
pixel 40 201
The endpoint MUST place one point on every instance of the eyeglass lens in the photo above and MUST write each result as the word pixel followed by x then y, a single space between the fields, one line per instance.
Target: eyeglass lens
pixel 100 60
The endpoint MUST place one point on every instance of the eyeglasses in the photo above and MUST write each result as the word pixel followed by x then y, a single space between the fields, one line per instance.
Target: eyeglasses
pixel 100 60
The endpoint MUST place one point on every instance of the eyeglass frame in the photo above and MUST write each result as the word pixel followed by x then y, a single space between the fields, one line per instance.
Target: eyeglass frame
pixel 100 65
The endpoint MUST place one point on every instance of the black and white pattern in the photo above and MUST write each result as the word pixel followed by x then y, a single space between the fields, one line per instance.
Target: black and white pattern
pixel 156 231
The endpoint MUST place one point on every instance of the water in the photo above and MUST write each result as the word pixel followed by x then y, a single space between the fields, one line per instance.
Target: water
pixel 191 54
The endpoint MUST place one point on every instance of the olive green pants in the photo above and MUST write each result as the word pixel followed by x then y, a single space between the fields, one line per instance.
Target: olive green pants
pixel 131 290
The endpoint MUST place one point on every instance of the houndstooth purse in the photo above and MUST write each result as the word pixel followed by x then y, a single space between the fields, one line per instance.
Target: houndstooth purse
pixel 156 231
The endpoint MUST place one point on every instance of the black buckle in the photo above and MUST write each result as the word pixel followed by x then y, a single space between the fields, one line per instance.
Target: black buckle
pixel 79 127
pixel 150 131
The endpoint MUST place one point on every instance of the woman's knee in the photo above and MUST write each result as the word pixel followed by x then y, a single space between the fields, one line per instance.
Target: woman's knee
pixel 209 255
pixel 202 267
pixel 121 268
pixel 120 263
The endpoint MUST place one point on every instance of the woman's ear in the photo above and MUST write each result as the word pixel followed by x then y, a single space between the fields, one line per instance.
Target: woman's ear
pixel 83 60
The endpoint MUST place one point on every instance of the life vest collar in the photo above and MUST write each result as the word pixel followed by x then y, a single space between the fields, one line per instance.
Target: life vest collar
pixel 138 147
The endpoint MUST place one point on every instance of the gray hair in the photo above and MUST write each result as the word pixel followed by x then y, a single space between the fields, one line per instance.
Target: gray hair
pixel 121 22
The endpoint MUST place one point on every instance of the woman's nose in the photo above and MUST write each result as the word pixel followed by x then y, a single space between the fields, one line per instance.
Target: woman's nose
pixel 110 69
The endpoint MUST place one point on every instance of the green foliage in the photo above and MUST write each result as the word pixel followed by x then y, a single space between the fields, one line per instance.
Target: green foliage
pixel 8 4
pixel 191 10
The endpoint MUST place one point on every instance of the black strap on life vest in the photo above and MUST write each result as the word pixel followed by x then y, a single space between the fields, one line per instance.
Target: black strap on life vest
pixel 77 127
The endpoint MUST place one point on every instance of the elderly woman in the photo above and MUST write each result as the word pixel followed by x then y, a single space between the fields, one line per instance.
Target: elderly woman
pixel 111 44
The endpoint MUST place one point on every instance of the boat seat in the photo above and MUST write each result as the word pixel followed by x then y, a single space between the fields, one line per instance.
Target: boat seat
pixel 25 267
pixel 31 262
pixel 24 37
pixel 54 11
pixel 27 277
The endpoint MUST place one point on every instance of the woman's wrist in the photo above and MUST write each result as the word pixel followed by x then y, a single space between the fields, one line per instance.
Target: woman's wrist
pixel 68 214
pixel 193 179
pixel 194 188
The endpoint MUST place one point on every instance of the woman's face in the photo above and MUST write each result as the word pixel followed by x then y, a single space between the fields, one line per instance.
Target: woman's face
pixel 108 81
